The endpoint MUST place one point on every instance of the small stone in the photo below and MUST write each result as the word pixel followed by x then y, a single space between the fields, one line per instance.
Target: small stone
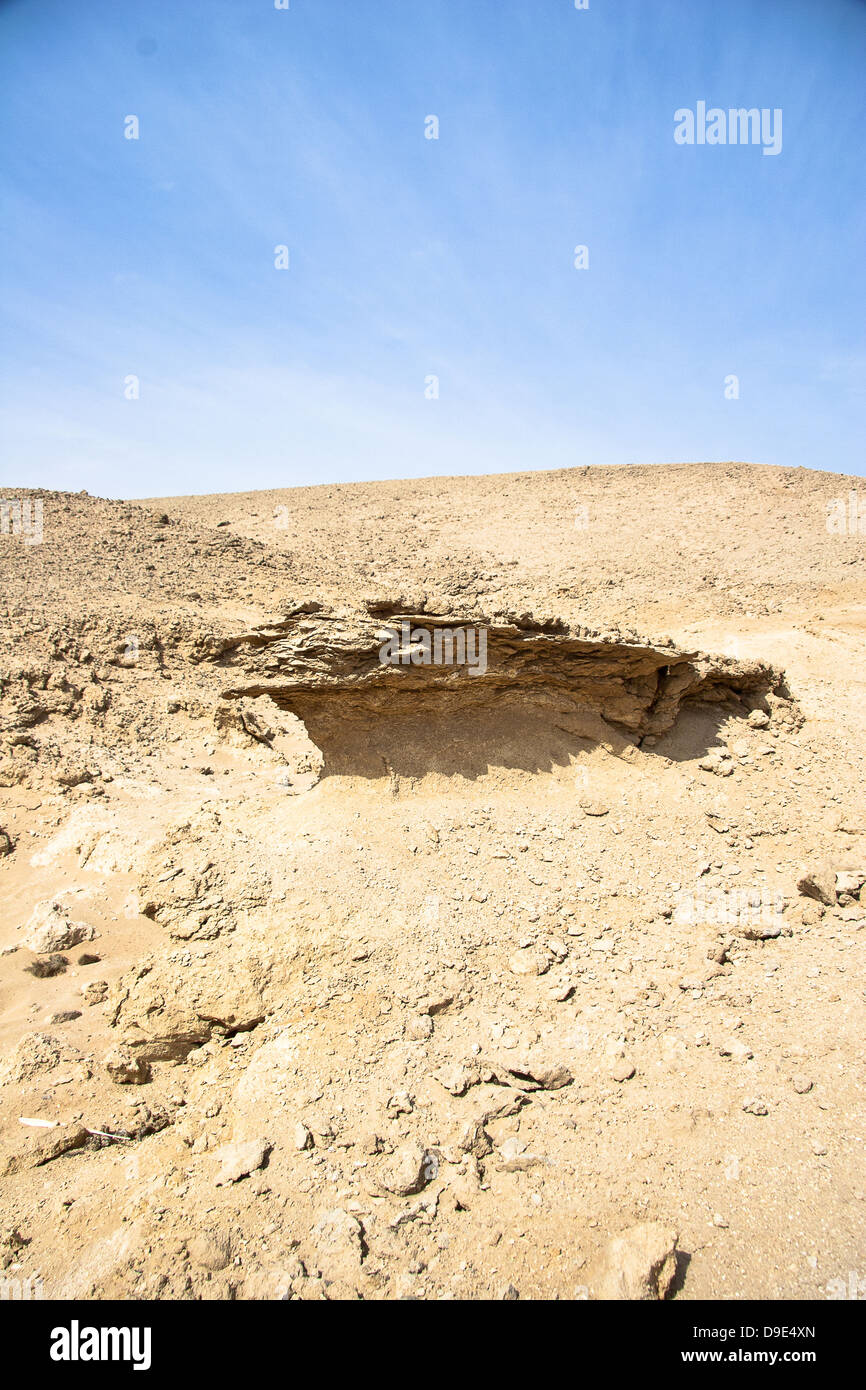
pixel 759 931
pixel 591 807
pixel 458 1079
pixel 125 1069
pixel 638 1265
pixel 437 1004
pixel 507 1103
pixel 622 1070
pixel 819 882
pixel 758 719
pixel 211 1252
pixel 561 993
pixel 515 1157
pixel 51 929
pixel 239 1160
pixel 406 1171
pixel 550 1076
pixel 96 992
pixel 529 961
pixel 65 1016
pixel 302 1138
pixel 474 1139
pixel 7 844
pixel 850 884
pixel 737 1050
pixel 465 1187
pixel 811 913
pixel 420 1028
pixel 802 1085
pixel 338 1240
pixel 43 1148
pixel 756 1107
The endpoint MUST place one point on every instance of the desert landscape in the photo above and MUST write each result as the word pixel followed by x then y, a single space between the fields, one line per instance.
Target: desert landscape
pixel 324 978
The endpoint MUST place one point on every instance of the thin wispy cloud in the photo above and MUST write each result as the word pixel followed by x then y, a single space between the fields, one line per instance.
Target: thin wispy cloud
pixel 413 258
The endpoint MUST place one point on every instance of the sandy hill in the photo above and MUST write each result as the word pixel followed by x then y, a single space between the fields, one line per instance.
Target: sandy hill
pixel 325 977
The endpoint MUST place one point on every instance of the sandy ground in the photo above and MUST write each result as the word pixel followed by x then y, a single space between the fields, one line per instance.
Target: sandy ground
pixel 419 989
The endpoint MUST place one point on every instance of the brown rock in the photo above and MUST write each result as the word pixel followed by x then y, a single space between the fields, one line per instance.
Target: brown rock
pixel 338 1242
pixel 419 1029
pixel 639 1264
pixel 239 1160
pixel 406 1171
pixel 126 1069
pixel 819 882
pixel 530 961
pixel 50 929
pixel 209 1250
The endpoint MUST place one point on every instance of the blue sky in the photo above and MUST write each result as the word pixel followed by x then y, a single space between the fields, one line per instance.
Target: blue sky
pixel 412 257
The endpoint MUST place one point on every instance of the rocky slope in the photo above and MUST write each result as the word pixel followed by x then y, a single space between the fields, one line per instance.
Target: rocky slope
pixel 323 977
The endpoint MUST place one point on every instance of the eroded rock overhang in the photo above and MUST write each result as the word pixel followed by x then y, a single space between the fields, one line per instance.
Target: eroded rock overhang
pixel 320 663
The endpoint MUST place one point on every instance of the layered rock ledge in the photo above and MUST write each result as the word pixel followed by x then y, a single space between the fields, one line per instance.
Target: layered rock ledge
pixel 320 665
